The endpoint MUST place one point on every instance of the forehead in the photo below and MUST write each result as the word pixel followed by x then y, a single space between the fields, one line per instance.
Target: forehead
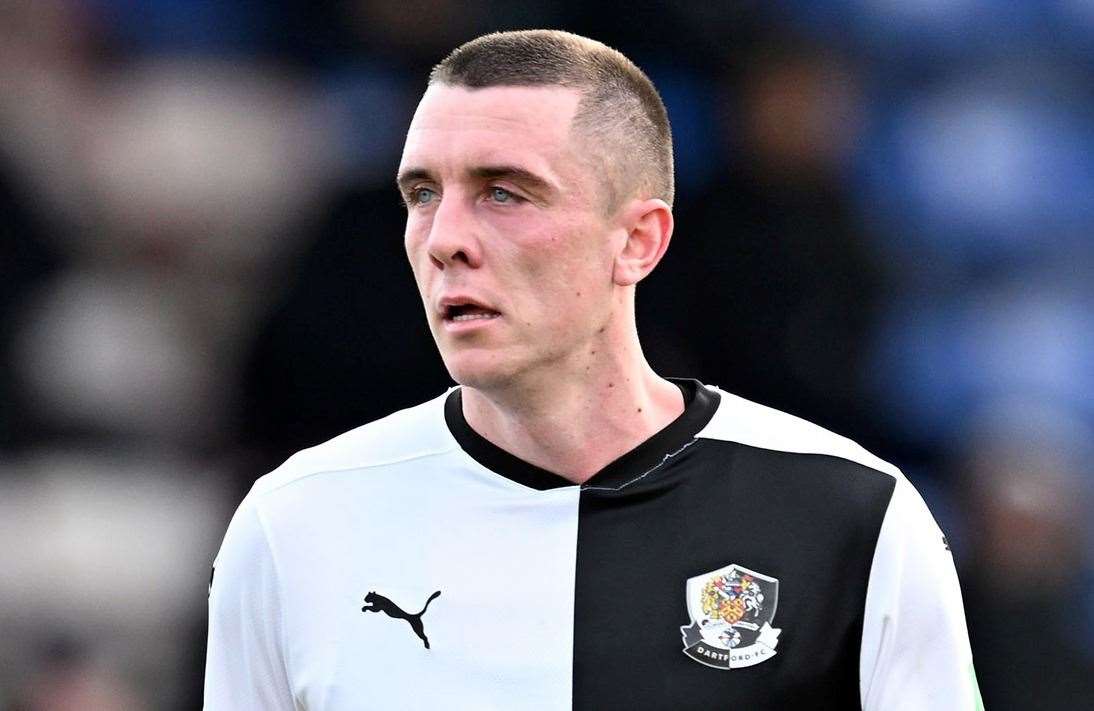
pixel 493 125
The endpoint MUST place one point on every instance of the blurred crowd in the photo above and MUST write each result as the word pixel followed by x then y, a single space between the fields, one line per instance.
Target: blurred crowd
pixel 885 224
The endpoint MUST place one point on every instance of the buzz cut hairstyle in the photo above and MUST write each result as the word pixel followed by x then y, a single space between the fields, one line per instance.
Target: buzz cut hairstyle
pixel 620 113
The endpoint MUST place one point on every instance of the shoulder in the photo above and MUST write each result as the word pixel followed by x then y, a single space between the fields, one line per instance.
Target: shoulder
pixel 749 423
pixel 405 435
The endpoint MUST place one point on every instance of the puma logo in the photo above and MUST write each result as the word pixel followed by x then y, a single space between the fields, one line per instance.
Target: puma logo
pixel 379 603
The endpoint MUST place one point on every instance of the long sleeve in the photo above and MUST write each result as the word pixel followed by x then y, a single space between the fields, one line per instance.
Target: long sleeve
pixel 245 666
pixel 915 646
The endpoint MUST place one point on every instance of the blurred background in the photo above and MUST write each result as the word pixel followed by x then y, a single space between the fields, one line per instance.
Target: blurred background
pixel 884 224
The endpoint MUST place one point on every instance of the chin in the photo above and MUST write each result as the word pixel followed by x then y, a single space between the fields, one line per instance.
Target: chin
pixel 478 369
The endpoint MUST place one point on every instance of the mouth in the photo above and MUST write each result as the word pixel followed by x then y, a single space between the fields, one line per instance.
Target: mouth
pixel 463 310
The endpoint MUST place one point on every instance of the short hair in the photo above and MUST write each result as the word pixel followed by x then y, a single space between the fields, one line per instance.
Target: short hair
pixel 620 109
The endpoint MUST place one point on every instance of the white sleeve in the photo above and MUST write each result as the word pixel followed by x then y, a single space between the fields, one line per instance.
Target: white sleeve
pixel 245 665
pixel 915 646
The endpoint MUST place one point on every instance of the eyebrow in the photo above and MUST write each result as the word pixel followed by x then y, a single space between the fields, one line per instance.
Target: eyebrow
pixel 515 173
pixel 412 175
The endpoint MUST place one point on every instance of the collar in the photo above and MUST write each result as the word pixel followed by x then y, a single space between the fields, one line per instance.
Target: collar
pixel 700 404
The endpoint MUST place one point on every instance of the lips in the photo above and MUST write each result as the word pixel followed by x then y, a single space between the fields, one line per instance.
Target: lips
pixel 461 309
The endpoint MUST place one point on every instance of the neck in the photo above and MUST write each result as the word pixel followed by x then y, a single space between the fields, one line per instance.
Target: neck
pixel 579 417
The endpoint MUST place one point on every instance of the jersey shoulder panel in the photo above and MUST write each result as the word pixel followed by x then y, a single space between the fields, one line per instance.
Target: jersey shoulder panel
pixel 415 432
pixel 746 422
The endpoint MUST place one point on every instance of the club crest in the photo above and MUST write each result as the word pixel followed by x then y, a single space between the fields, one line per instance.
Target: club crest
pixel 731 610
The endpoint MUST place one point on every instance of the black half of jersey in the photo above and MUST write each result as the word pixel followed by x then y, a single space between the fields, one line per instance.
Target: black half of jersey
pixel 677 507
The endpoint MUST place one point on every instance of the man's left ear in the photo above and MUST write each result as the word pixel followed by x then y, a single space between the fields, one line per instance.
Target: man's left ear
pixel 649 228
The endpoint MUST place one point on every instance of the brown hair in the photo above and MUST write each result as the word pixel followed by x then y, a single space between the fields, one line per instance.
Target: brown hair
pixel 620 111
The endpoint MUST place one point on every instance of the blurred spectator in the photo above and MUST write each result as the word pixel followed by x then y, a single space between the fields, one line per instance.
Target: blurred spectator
pixel 172 191
pixel 69 680
pixel 25 261
pixel 786 319
pixel 941 355
pixel 982 174
pixel 1025 471
pixel 110 546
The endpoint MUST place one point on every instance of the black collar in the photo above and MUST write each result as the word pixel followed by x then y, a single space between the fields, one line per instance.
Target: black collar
pixel 699 406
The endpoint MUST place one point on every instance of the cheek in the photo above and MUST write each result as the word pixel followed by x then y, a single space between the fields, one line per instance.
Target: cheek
pixel 573 245
pixel 415 254
pixel 414 241
pixel 582 262
pixel 567 281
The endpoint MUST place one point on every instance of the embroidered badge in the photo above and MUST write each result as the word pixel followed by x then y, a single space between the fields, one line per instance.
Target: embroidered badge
pixel 731 610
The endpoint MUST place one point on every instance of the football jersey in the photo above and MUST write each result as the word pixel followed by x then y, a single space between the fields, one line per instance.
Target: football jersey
pixel 739 558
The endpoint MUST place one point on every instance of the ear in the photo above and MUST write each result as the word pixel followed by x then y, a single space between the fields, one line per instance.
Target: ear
pixel 648 224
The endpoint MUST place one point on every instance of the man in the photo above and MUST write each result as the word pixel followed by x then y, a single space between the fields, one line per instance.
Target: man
pixel 567 529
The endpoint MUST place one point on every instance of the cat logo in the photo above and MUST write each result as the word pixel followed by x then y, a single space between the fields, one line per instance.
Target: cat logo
pixel 378 603
pixel 731 610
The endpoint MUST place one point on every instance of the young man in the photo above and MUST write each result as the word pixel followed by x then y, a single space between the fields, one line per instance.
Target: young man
pixel 567 529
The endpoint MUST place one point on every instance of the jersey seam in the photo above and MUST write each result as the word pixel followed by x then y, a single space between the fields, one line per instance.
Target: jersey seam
pixel 285 650
pixel 340 470
pixel 643 475
pixel 732 405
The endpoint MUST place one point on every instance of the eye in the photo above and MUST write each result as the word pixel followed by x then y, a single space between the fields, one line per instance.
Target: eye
pixel 501 195
pixel 421 196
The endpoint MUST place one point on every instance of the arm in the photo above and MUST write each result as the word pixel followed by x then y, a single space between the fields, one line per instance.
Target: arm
pixel 245 665
pixel 915 646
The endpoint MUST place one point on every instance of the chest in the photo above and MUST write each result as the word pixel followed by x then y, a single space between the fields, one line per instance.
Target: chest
pixel 570 599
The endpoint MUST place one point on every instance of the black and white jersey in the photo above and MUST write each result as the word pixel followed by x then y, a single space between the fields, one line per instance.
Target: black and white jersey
pixel 739 558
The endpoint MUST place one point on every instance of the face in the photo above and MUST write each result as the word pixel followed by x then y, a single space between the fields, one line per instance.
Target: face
pixel 506 234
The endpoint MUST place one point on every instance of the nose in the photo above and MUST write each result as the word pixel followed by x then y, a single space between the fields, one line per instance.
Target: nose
pixel 453 235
